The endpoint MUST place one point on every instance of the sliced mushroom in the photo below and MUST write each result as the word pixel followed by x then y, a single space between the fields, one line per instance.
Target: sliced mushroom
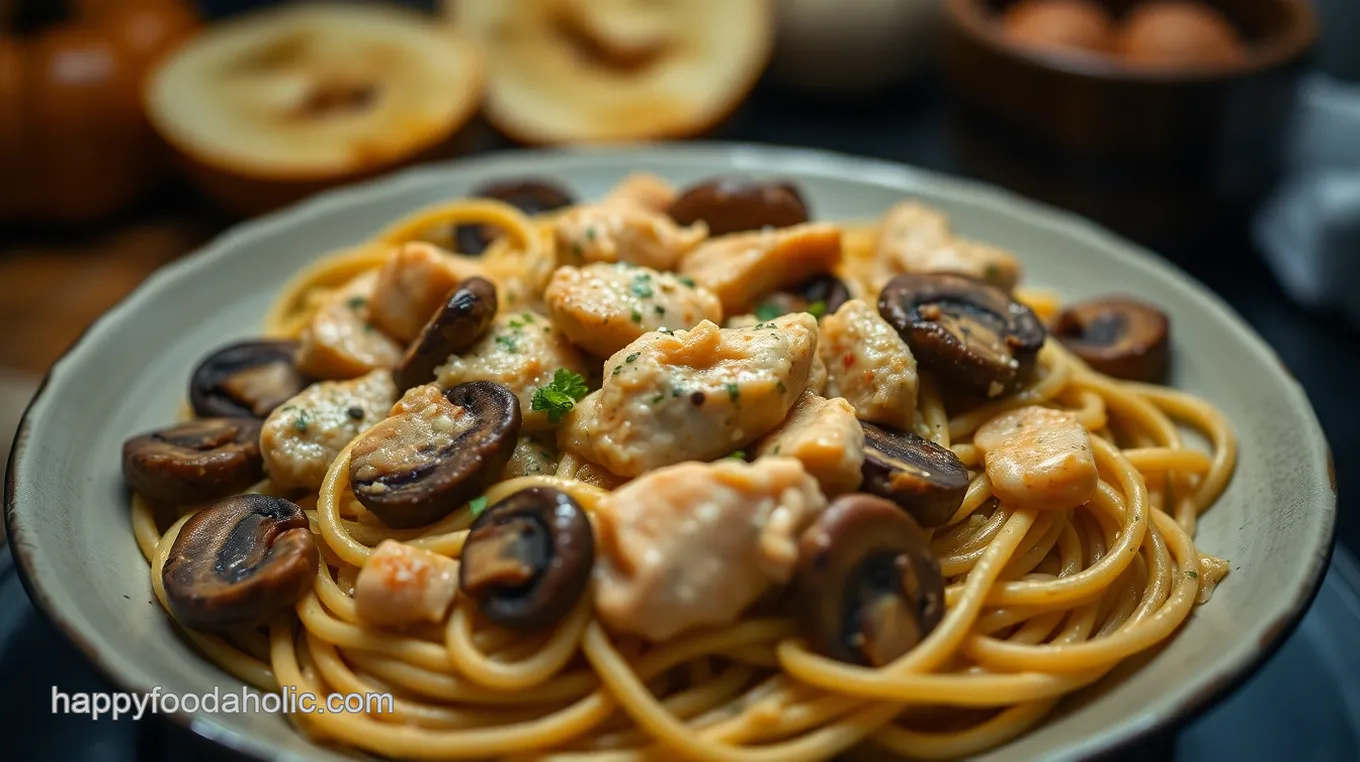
pixel 966 331
pixel 246 380
pixel 868 587
pixel 195 461
pixel 920 477
pixel 437 452
pixel 822 295
pixel 529 195
pixel 1118 336
pixel 239 563
pixel 459 324
pixel 735 204
pixel 528 558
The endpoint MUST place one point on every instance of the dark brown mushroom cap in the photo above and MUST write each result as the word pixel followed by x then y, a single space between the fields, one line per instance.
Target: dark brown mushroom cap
pixel 194 461
pixel 529 195
pixel 966 331
pixel 239 563
pixel 246 380
pixel 827 290
pixel 868 587
pixel 528 558
pixel 459 324
pixel 1118 336
pixel 734 204
pixel 920 477
pixel 409 473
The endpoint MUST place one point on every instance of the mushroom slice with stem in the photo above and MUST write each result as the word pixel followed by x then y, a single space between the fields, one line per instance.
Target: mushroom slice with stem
pixel 920 477
pixel 1118 336
pixel 529 194
pixel 239 562
pixel 195 461
pixel 437 451
pixel 737 204
pixel 869 588
pixel 460 323
pixel 968 332
pixel 528 558
pixel 246 380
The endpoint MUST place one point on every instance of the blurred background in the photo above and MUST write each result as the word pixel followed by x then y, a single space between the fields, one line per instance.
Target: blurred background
pixel 1223 134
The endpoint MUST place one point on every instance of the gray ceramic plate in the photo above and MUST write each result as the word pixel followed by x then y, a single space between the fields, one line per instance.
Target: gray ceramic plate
pixel 67 509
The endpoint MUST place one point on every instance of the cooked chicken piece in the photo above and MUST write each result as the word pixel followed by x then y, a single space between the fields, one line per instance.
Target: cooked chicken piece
pixel 1037 457
pixel 917 239
pixel 303 436
pixel 824 435
pixel 621 232
pixel 744 320
pixel 521 351
pixel 817 377
pixel 401 584
pixel 603 307
pixel 695 544
pixel 743 267
pixel 692 395
pixel 340 341
pixel 412 285
pixel 531 458
pixel 868 364
pixel 644 190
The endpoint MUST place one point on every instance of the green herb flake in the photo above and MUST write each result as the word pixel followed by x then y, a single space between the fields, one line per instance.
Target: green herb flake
pixel 665 330
pixel 302 421
pixel 659 396
pixel 738 455
pixel 636 317
pixel 1192 575
pixel 632 357
pixel 617 369
pixel 508 342
pixel 477 505
pixel 528 317
pixel 355 302
pixel 733 392
pixel 780 386
pixel 816 309
pixel 590 233
pixel 777 448
pixel 991 274
pixel 688 281
pixel 767 311
pixel 659 309
pixel 561 395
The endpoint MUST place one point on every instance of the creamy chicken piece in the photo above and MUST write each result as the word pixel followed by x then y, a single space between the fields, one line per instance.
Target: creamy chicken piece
pixel 740 268
pixel 917 239
pixel 692 395
pixel 521 351
pixel 532 457
pixel 304 435
pixel 413 284
pixel 423 421
pixel 824 435
pixel 400 584
pixel 694 544
pixel 604 307
pixel 818 376
pixel 869 365
pixel 1037 457
pixel 341 341
pixel 642 189
pixel 622 232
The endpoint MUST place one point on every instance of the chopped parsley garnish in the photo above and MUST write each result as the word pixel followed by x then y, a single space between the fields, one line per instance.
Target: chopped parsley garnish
pixel 780 386
pixel 636 317
pixel 515 324
pixel 738 455
pixel 991 273
pixel 617 368
pixel 355 413
pixel 659 309
pixel 816 309
pixel 733 392
pixel 477 505
pixel 688 281
pixel 508 342
pixel 368 328
pixel 665 330
pixel 561 395
pixel 590 233
pixel 355 302
pixel 632 357
pixel 767 311
pixel 1192 574
pixel 528 317
pixel 659 396
pixel 302 421
pixel 642 285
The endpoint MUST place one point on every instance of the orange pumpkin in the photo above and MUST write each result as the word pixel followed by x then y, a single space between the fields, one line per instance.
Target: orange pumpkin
pixel 74 143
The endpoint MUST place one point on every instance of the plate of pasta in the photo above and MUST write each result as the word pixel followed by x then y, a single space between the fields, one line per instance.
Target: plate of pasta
pixel 696 452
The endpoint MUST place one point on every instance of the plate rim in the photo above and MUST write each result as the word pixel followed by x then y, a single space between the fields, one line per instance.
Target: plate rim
pixel 737 156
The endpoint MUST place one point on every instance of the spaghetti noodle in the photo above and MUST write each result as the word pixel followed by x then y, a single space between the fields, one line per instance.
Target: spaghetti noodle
pixel 1039 603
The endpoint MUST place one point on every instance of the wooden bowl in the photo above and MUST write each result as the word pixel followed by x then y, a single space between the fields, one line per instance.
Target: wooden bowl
pixel 1096 106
